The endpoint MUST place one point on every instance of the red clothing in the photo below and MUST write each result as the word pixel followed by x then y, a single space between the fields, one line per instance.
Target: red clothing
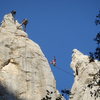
pixel 53 62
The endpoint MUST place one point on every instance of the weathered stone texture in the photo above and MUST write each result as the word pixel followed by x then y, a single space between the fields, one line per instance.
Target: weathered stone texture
pixel 84 77
pixel 24 70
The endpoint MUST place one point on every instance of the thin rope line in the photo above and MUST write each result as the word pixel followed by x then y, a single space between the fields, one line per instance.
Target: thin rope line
pixel 64 71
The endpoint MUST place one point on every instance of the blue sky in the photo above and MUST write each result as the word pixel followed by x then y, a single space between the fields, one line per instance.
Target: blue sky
pixel 58 26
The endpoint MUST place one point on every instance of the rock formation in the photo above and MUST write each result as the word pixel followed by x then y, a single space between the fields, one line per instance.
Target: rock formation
pixel 24 70
pixel 87 78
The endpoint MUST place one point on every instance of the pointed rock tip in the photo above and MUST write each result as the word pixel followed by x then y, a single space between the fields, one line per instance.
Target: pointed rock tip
pixel 10 24
pixel 8 17
pixel 78 56
pixel 77 52
pixel 9 20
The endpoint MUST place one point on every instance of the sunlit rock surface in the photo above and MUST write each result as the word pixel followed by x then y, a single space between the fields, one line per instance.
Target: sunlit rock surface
pixel 24 70
pixel 87 76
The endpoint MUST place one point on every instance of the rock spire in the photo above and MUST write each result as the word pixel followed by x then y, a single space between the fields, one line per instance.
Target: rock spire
pixel 25 73
pixel 87 77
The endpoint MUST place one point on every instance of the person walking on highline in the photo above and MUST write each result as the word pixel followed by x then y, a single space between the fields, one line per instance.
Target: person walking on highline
pixel 53 61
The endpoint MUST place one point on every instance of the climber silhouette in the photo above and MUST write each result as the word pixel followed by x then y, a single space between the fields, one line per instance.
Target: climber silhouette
pixel 24 23
pixel 13 12
pixel 53 62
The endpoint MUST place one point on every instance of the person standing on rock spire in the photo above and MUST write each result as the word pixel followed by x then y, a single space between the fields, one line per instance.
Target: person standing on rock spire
pixel 24 23
pixel 13 12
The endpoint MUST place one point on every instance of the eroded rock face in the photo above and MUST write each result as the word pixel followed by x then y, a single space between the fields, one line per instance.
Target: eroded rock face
pixel 87 77
pixel 24 71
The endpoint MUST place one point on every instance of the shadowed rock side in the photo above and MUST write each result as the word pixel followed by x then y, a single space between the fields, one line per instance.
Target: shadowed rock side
pixel 87 77
pixel 24 70
pixel 7 95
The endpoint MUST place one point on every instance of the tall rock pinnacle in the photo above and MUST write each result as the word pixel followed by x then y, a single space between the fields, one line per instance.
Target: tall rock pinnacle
pixel 24 71
pixel 87 77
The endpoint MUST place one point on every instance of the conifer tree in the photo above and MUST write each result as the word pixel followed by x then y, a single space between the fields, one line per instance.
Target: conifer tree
pixel 96 54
